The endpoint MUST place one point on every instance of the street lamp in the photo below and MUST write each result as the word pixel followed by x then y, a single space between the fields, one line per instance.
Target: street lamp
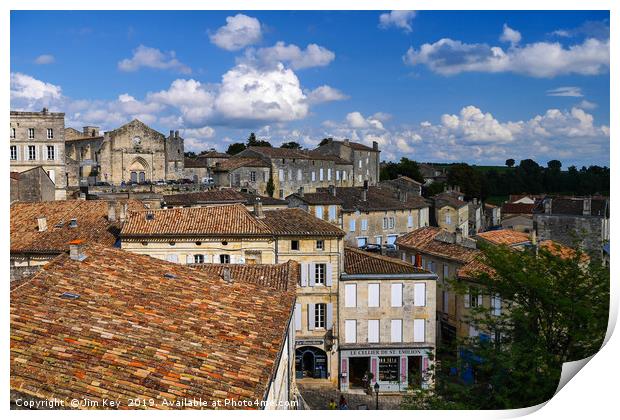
pixel 377 394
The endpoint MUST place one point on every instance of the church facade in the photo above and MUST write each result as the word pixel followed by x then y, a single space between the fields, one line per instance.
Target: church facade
pixel 133 152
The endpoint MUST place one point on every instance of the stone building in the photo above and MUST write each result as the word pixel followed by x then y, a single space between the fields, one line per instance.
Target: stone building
pixel 365 160
pixel 492 215
pixel 133 152
pixel 201 167
pixel 572 221
pixel 442 253
pixel 38 139
pixel 250 174
pixel 387 323
pixel 292 169
pixel 451 212
pixel 231 234
pixel 173 337
pixel 32 185
pixel 368 215
pixel 404 184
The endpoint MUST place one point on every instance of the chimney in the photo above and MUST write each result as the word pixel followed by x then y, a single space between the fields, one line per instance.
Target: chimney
pixel 171 133
pixel 42 223
pixel 44 110
pixel 111 211
pixel 364 196
pixel 346 142
pixel 301 191
pixel 418 260
pixel 587 206
pixel 258 209
pixel 76 250
pixel 332 190
pixel 226 275
pixel 375 145
pixel 123 215
pixel 458 236
pixel 176 134
pixel 547 205
pixel 82 196
pixel 533 237
pixel 366 185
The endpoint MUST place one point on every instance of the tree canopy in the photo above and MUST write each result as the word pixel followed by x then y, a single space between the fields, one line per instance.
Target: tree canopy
pixel 291 145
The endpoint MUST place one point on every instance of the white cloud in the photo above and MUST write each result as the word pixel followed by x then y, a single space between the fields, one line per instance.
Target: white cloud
pixel 587 105
pixel 152 58
pixel 312 56
pixel 510 35
pixel 193 99
pixel 239 32
pixel 325 94
pixel 30 93
pixel 541 59
pixel 44 59
pixel 357 120
pixel 398 18
pixel 572 91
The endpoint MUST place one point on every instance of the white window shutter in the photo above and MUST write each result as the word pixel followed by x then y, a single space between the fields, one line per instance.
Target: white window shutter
pixel 479 300
pixel 304 274
pixel 418 330
pixel 396 330
pixel 352 225
pixel 373 330
pixel 373 295
pixel 330 316
pixel 419 298
pixel 311 316
pixel 298 317
pixel 329 271
pixel 312 274
pixel 466 300
pixel 397 294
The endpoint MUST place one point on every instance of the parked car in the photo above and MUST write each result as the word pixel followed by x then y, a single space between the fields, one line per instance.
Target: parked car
pixel 208 181
pixel 371 248
pixel 160 182
pixel 185 181
pixel 102 184
pixel 390 247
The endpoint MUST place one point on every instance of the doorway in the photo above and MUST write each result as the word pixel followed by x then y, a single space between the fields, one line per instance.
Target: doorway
pixel 310 362
pixel 414 371
pixel 359 372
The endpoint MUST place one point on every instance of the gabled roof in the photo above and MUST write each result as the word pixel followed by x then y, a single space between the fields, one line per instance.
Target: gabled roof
pixel 318 198
pixel 517 208
pixel 574 206
pixel 504 237
pixel 250 199
pixel 240 162
pixel 449 198
pixel 136 123
pixel 377 199
pixel 223 196
pixel 297 222
pixel 225 220
pixel 281 277
pixel 426 240
pixel 119 325
pixel 361 262
pixel 93 225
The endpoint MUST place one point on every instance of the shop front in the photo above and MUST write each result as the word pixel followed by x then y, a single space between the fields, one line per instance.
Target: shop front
pixel 311 359
pixel 394 369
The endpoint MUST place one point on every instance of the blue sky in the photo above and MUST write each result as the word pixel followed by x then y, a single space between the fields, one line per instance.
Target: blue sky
pixel 478 87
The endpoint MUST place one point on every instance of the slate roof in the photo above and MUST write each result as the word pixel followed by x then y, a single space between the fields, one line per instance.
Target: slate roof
pixel 517 208
pixel 377 199
pixel 250 199
pixel 355 145
pixel 225 220
pixel 318 198
pixel 361 262
pixel 92 224
pixel 284 153
pixel 223 196
pixel 574 206
pixel 424 240
pixel 504 237
pixel 240 162
pixel 449 198
pixel 297 222
pixel 142 327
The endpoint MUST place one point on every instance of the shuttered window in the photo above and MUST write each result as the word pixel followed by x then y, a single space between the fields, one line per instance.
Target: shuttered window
pixel 397 295
pixel 319 212
pixel 350 296
pixel 373 330
pixel 364 224
pixel 396 330
pixel 352 225
pixel 350 331
pixel 373 295
pixel 419 294
pixel 298 317
pixel 419 330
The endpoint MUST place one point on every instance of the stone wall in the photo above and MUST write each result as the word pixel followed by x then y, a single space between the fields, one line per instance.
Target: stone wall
pixel 590 232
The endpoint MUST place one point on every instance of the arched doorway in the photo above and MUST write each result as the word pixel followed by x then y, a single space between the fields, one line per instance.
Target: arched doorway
pixel 139 170
pixel 310 362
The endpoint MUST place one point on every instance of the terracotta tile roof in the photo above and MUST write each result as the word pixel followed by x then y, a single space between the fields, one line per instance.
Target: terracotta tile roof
pixel 277 276
pixel 504 237
pixel 250 199
pixel 361 262
pixel 226 220
pixel 449 198
pixel 240 162
pixel 314 198
pixel 424 240
pixel 297 222
pixel 15 175
pixel 377 199
pixel 517 208
pixel 560 250
pixel 474 268
pixel 138 327
pixel 92 224
pixel 223 196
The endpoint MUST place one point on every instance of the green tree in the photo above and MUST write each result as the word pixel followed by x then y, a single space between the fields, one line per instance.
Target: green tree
pixel 466 177
pixel 291 145
pixel 405 167
pixel 510 163
pixel 554 310
pixel 270 185
pixel 254 142
pixel 235 148
pixel 190 154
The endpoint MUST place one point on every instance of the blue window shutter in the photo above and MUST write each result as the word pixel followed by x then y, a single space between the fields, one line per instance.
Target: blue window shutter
pixel 329 272
pixel 298 317
pixel 312 274
pixel 304 274
pixel 311 316
pixel 330 316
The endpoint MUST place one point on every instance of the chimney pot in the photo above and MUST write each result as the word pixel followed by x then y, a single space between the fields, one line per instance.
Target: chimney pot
pixel 364 196
pixel 176 134
pixel 587 206
pixel 547 205
pixel 171 133
pixel 332 190
pixel 458 236
pixel 375 145
pixel 42 223
pixel 258 209
pixel 76 250
pixel 301 191
pixel 123 215
pixel 226 275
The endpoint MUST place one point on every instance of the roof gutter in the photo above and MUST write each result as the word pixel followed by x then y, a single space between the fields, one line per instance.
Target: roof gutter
pixel 420 276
